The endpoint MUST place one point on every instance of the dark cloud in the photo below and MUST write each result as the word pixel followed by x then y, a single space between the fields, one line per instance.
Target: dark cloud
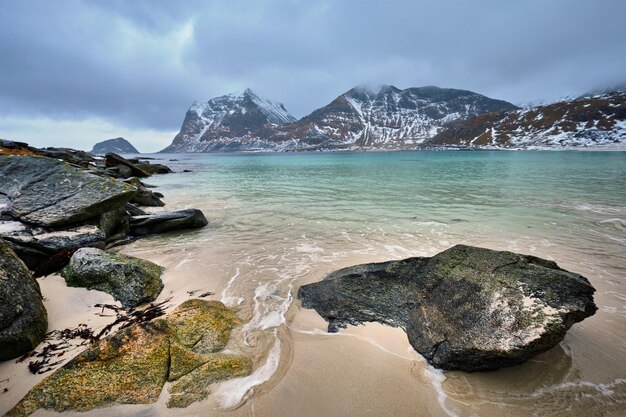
pixel 139 64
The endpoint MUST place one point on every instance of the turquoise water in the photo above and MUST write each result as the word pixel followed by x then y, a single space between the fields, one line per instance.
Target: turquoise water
pixel 277 221
pixel 489 193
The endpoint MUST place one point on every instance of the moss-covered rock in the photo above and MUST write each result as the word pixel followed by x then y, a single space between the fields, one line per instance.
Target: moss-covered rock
pixel 193 386
pixel 131 366
pixel 132 281
pixel 23 318
pixel 466 308
pixel 128 368
pixel 203 326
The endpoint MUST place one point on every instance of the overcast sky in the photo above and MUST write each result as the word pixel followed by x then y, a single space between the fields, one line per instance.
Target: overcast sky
pixel 73 73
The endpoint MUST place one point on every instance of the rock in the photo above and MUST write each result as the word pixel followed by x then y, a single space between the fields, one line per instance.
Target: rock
pixel 130 280
pixel 48 192
pixel 167 221
pixel 72 156
pixel 23 318
pixel 146 198
pixel 120 171
pixel 132 366
pixel 112 160
pixel 200 329
pixel 133 181
pixel 155 168
pixel 129 367
pixel 466 308
pixel 134 210
pixel 115 224
pixel 36 245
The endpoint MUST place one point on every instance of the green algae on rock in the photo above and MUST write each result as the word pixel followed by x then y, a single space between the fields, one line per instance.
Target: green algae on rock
pixel 132 281
pixel 131 366
pixel 23 318
pixel 201 328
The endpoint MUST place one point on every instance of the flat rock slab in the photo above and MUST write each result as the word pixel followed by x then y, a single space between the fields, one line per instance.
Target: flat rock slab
pixel 48 192
pixel 132 366
pixel 131 281
pixel 23 318
pixel 36 245
pixel 467 308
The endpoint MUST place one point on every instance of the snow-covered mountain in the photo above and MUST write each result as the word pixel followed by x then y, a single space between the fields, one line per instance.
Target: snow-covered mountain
pixel 385 118
pixel 224 123
pixel 117 145
pixel 361 118
pixel 592 121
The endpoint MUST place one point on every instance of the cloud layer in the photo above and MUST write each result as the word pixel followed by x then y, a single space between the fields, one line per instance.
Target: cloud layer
pixel 73 71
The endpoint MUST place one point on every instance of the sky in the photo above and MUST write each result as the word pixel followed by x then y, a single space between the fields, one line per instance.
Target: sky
pixel 73 73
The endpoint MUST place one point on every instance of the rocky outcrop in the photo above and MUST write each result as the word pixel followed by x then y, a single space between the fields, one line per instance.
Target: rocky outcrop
pixel 117 145
pixel 162 222
pixel 467 308
pixel 23 318
pixel 50 208
pixel 48 192
pixel 132 366
pixel 130 280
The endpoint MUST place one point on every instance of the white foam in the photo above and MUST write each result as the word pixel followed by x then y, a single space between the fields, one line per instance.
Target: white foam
pixel 318 332
pixel 308 248
pixel 225 299
pixel 437 377
pixel 10 227
pixel 266 295
pixel 183 262
pixel 604 389
pixel 234 391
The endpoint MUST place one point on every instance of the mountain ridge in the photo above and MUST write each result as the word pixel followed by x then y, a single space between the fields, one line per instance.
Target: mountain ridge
pixel 374 118
pixel 586 121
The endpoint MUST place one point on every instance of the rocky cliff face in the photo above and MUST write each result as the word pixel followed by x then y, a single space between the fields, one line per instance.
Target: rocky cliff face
pixel 361 118
pixel 596 121
pixel 228 123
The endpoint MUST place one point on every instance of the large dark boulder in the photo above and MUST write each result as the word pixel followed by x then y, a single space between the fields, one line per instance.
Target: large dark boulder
pixel 466 308
pixel 114 160
pixel 48 192
pixel 162 222
pixel 132 281
pixel 23 318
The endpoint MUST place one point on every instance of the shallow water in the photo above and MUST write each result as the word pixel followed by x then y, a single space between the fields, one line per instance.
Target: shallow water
pixel 282 220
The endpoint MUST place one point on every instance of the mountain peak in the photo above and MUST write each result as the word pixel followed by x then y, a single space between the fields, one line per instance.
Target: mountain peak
pixel 372 89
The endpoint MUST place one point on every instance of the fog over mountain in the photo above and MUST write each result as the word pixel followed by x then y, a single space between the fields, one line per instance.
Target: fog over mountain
pixel 75 72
